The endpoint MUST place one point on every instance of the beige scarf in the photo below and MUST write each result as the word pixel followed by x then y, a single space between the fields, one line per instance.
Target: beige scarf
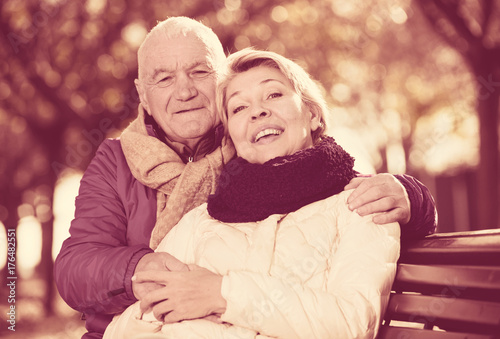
pixel 180 187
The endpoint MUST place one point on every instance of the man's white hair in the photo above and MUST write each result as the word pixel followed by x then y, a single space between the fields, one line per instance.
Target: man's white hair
pixel 174 27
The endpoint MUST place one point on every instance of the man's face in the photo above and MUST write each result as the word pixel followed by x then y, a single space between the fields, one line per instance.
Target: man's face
pixel 177 87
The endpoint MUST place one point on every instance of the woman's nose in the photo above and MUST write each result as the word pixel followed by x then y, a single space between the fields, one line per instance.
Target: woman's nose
pixel 261 113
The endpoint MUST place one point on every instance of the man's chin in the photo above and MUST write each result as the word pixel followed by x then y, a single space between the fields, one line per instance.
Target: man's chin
pixel 192 134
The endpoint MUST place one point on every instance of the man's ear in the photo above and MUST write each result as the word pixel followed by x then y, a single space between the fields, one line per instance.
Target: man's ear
pixel 142 95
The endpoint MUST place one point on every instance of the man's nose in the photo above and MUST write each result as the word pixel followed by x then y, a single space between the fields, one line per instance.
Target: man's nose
pixel 185 88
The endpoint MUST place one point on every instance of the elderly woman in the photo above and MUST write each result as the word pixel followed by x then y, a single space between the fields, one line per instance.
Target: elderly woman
pixel 278 249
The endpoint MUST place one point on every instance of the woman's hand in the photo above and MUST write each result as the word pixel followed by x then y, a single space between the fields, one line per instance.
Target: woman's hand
pixel 382 194
pixel 185 295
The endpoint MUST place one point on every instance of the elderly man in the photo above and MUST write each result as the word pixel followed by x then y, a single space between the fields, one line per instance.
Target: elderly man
pixel 166 163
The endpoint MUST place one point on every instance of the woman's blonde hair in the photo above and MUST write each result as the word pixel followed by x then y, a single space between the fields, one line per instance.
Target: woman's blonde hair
pixel 301 82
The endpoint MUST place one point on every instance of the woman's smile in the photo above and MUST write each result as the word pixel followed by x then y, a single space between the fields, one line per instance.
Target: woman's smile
pixel 267 133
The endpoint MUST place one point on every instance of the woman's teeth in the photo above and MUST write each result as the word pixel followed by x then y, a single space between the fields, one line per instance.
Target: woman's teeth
pixel 266 132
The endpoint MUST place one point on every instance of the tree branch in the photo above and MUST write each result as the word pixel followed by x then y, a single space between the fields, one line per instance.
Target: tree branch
pixel 432 13
pixel 437 10
pixel 450 11
pixel 488 9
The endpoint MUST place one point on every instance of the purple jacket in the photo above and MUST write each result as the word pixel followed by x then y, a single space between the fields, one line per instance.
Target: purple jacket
pixel 114 217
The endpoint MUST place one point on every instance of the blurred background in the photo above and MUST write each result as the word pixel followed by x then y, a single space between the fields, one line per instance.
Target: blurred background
pixel 413 87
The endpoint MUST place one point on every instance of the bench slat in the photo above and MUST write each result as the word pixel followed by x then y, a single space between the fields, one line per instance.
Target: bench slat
pixel 410 333
pixel 481 282
pixel 478 248
pixel 451 284
pixel 445 312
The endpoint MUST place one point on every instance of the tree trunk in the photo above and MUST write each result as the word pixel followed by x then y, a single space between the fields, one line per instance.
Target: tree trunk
pixel 488 170
pixel 47 265
pixel 10 271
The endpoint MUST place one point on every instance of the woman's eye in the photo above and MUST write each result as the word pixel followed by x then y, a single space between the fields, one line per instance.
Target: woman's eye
pixel 238 109
pixel 275 95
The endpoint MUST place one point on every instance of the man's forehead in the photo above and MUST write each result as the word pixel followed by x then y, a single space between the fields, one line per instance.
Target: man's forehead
pixel 169 55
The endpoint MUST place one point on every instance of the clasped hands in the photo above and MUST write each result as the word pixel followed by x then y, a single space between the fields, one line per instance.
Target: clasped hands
pixel 174 291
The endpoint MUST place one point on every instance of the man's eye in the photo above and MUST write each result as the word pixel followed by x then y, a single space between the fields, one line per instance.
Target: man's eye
pixel 165 81
pixel 238 109
pixel 275 95
pixel 200 73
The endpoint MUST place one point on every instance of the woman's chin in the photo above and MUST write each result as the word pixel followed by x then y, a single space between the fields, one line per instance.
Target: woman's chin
pixel 264 157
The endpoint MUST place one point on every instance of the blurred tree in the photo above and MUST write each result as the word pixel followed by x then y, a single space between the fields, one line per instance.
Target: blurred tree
pixel 472 28
pixel 67 71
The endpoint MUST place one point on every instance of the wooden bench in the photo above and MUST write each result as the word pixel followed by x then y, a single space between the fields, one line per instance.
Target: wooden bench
pixel 447 287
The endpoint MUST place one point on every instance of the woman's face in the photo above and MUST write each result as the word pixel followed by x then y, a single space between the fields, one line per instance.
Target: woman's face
pixel 266 117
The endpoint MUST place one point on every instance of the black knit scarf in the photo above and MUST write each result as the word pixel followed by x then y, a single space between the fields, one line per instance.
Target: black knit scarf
pixel 252 192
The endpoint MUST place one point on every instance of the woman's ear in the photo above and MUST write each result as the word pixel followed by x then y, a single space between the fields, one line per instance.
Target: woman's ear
pixel 315 117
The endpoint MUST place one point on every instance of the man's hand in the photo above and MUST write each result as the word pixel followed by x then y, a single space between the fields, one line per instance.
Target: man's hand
pixel 184 295
pixel 382 194
pixel 154 262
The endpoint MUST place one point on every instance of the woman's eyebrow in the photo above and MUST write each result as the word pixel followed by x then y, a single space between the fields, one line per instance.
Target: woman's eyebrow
pixel 233 95
pixel 269 80
pixel 260 83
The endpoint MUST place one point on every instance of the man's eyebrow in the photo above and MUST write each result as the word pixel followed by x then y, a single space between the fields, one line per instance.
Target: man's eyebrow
pixel 162 70
pixel 158 71
pixel 198 63
pixel 260 83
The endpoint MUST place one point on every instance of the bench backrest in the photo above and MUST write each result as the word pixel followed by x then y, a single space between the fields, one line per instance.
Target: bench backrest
pixel 447 286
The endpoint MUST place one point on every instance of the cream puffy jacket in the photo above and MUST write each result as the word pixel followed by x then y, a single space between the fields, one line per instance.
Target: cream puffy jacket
pixel 319 272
